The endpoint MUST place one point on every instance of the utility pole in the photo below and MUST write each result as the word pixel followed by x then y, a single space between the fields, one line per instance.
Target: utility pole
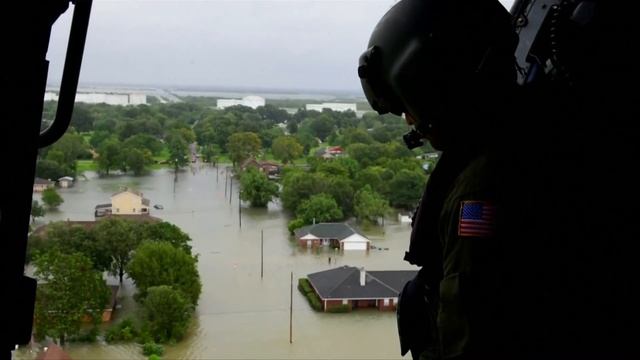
pixel 230 190
pixel 261 253
pixel 226 176
pixel 239 209
pixel 291 312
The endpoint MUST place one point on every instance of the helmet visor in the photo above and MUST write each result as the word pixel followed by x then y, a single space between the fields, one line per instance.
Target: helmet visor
pixel 378 93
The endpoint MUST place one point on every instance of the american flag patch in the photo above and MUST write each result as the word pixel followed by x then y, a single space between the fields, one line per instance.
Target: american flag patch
pixel 477 219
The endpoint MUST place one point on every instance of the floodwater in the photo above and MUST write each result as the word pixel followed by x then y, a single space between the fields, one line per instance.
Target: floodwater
pixel 241 315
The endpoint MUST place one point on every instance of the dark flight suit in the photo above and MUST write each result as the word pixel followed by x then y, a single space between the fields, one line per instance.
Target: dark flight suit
pixel 460 260
pixel 470 260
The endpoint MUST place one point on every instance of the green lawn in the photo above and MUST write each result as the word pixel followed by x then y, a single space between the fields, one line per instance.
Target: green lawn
pixel 163 156
pixel 87 136
pixel 85 165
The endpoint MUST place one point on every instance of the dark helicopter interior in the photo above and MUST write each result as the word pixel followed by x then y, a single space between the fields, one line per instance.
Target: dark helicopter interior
pixel 579 101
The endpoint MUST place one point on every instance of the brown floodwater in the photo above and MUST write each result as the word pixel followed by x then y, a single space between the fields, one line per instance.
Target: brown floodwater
pixel 241 315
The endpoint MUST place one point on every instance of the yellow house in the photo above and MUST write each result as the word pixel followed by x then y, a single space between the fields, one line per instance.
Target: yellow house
pixel 128 202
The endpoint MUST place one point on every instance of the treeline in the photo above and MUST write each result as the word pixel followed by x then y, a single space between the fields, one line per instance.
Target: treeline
pixel 375 173
pixel 365 184
pixel 131 138
pixel 70 259
pixel 124 138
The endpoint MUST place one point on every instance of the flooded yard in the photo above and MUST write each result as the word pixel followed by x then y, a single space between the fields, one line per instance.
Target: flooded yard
pixel 241 315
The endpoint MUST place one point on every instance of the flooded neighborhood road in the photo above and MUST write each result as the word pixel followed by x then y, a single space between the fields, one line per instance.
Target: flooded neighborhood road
pixel 240 315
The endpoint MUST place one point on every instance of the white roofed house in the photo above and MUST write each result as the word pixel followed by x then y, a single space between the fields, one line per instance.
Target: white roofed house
pixel 65 181
pixel 338 235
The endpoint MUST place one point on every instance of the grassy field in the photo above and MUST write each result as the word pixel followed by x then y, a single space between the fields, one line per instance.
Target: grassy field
pixel 87 136
pixel 86 165
pixel 163 156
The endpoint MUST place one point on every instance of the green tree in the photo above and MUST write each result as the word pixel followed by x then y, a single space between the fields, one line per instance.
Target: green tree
pixel 57 156
pixel 298 186
pixel 51 198
pixel 319 208
pixel 286 149
pixel 256 188
pixel 187 134
pixel 37 210
pixel 307 140
pixel 242 146
pixel 167 312
pixel 322 126
pixel 118 238
pixel 332 168
pixel 167 232
pixel 75 238
pixel 144 141
pixel 292 126
pixel 267 136
pixel 152 349
pixel 210 153
pixel 98 137
pixel 205 132
pixel 369 205
pixel 367 155
pixel 105 124
pixel 387 133
pixel 71 291
pixel 352 136
pixel 405 188
pixel 341 189
pixel 350 164
pixel 82 119
pixel 273 114
pixel 109 155
pixel 48 169
pixel 137 160
pixel 372 176
pixel 160 263
pixel 178 149
pixel 68 149
pixel 396 150
pixel 295 224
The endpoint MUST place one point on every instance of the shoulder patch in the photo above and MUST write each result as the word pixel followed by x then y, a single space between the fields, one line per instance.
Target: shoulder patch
pixel 477 219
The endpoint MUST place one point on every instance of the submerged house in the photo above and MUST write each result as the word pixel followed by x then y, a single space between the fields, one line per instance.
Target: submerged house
pixel 357 288
pixel 337 235
pixel 65 182
pixel 125 202
pixel 271 169
pixel 40 185
pixel 330 152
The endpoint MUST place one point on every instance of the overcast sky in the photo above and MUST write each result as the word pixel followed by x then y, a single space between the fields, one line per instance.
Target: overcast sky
pixel 294 44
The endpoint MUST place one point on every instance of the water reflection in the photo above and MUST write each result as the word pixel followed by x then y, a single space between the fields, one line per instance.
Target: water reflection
pixel 240 315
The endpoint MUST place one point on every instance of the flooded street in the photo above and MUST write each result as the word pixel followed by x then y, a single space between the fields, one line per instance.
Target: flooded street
pixel 240 315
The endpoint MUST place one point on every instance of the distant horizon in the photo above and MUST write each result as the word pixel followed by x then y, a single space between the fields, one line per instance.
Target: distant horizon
pixel 214 88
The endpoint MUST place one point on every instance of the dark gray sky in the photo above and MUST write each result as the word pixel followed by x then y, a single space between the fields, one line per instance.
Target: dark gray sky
pixel 294 44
